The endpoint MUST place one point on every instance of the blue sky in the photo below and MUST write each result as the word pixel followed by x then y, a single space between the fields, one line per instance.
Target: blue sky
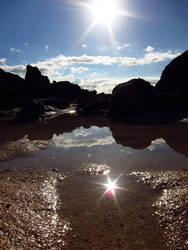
pixel 67 41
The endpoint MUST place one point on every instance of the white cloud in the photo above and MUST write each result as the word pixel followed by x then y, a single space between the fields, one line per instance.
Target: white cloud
pixel 84 46
pixel 3 60
pixel 68 141
pixel 156 143
pixel 107 84
pixel 14 50
pixel 125 45
pixel 149 49
pixel 81 132
pixel 46 47
pixel 78 70
pixel 26 44
pixel 54 67
pixel 17 69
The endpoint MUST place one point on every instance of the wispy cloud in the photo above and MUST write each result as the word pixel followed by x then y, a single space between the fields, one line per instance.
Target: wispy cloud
pixel 26 44
pixel 46 47
pixel 84 46
pixel 14 50
pixel 149 49
pixel 107 84
pixel 125 45
pixel 3 60
pixel 17 69
pixel 54 67
pixel 78 70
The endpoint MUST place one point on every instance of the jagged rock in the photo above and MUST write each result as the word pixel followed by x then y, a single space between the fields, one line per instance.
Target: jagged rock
pixel 174 78
pixel 132 98
pixel 38 85
pixel 31 111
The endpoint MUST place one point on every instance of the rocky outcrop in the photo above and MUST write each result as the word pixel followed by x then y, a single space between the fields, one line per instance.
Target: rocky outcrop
pixel 98 105
pixel 132 98
pixel 174 78
pixel 11 88
pixel 33 110
pixel 65 89
pixel 37 84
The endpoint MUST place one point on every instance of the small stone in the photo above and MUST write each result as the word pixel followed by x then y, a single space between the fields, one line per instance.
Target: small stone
pixel 7 205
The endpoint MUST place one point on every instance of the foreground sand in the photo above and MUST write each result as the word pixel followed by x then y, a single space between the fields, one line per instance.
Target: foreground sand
pixel 42 209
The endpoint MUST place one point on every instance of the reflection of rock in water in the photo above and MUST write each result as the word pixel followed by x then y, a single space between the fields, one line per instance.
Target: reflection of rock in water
pixel 134 136
pixel 140 137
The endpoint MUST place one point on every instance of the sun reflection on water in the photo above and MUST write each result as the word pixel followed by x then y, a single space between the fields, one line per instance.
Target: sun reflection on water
pixel 111 186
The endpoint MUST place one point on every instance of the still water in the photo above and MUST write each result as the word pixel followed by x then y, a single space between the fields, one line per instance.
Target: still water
pixel 120 148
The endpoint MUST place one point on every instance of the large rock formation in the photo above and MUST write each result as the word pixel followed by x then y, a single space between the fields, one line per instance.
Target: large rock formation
pixel 174 78
pixel 37 84
pixel 132 98
pixel 11 87
pixel 65 89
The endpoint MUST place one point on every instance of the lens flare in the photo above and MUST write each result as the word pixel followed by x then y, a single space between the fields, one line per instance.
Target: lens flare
pixel 111 186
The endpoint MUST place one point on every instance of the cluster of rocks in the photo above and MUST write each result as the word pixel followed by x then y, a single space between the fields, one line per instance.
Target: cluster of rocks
pixel 139 102
pixel 133 101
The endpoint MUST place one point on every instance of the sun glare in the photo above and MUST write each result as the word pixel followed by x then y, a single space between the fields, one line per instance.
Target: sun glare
pixel 104 11
pixel 111 186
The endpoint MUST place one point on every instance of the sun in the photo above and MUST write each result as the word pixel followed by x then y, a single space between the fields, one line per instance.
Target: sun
pixel 104 11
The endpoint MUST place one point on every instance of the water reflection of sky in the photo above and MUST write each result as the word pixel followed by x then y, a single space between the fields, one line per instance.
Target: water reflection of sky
pixel 96 146
pixel 81 137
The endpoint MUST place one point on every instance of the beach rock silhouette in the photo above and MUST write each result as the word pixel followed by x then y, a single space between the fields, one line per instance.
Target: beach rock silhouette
pixel 38 84
pixel 132 98
pixel 11 87
pixel 174 78
pixel 97 105
pixel 65 89
pixel 31 111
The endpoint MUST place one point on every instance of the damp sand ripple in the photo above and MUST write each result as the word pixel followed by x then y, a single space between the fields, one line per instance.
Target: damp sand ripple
pixel 172 206
pixel 29 206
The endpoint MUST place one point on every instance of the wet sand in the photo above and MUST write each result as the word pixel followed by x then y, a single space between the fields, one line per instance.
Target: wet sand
pixel 41 208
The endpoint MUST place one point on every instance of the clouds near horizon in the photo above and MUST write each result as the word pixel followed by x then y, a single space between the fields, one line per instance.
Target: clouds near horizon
pixel 55 67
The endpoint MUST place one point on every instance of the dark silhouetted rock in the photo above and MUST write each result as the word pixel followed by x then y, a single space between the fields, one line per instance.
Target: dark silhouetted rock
pixel 60 103
pixel 31 111
pixel 65 89
pixel 174 78
pixel 132 98
pixel 38 85
pixel 11 87
pixel 97 106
